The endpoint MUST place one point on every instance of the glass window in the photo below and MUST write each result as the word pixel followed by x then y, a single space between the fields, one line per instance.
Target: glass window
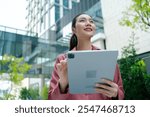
pixel 56 1
pixel 18 49
pixel 57 13
pixel 66 3
pixel 74 4
pixel 65 11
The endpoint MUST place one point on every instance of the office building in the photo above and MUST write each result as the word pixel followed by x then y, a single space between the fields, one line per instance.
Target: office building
pixel 41 48
pixel 51 21
pixel 49 32
pixel 17 43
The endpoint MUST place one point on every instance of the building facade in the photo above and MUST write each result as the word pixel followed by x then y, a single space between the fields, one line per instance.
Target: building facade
pixel 52 22
pixel 51 19
pixel 34 50
pixel 49 32
pixel 52 31
pixel 44 14
pixel 118 36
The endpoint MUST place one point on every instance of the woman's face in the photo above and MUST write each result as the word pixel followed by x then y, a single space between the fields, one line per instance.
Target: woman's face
pixel 84 27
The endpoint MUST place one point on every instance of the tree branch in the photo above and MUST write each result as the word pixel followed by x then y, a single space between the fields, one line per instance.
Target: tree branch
pixel 144 17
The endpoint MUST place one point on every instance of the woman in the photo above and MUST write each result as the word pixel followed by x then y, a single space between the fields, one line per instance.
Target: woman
pixel 83 29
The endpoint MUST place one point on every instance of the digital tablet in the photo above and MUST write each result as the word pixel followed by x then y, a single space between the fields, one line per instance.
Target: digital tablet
pixel 85 68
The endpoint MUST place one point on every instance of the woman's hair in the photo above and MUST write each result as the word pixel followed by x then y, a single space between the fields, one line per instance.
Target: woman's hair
pixel 73 39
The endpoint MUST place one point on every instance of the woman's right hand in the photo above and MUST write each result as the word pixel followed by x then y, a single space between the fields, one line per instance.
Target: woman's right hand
pixel 62 72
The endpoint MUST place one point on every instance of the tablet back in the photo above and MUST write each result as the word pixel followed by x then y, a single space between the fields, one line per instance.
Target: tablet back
pixel 85 68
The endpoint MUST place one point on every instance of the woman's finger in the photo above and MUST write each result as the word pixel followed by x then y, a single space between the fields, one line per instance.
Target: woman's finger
pixel 104 92
pixel 104 86
pixel 109 82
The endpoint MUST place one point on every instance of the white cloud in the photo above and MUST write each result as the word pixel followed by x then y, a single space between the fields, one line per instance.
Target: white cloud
pixel 13 13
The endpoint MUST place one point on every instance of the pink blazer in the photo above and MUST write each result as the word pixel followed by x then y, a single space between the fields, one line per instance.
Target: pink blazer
pixel 55 94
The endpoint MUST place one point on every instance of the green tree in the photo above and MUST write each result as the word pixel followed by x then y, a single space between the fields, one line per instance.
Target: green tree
pixel 133 71
pixel 137 15
pixel 15 68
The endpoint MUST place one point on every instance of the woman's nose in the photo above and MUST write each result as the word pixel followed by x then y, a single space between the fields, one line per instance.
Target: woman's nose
pixel 88 23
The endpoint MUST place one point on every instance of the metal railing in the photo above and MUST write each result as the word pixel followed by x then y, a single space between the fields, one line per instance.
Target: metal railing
pixel 17 31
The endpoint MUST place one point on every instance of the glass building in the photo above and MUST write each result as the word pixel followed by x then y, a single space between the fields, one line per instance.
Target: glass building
pixel 43 15
pixel 36 51
pixel 51 20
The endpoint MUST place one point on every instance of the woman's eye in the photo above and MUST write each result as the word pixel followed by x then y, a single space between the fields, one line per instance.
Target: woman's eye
pixel 91 21
pixel 82 20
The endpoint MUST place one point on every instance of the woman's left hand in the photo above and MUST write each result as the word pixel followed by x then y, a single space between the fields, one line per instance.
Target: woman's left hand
pixel 107 88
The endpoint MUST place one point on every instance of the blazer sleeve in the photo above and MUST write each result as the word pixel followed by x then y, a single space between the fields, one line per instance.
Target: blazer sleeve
pixel 54 90
pixel 118 80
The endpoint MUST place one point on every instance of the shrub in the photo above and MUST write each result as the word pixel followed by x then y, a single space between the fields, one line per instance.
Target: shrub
pixel 133 70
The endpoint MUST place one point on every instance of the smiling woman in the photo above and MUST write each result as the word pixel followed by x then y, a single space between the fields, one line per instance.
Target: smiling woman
pixel 13 13
pixel 83 29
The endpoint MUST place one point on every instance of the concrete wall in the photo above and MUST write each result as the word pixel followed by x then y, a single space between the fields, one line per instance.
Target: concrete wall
pixel 116 35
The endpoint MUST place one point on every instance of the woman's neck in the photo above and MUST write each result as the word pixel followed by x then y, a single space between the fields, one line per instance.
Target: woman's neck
pixel 84 45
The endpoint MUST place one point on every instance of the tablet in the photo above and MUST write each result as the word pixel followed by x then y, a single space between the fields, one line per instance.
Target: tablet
pixel 85 68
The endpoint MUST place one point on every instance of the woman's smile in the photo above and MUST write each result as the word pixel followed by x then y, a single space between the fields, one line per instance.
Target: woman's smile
pixel 88 29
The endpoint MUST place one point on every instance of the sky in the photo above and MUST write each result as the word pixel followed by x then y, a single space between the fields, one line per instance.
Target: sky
pixel 13 13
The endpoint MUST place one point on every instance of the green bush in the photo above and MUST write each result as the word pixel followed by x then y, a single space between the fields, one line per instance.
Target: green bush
pixel 29 94
pixel 133 71
pixel 44 93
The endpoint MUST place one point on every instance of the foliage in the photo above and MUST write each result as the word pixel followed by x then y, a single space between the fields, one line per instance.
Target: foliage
pixel 15 68
pixel 24 94
pixel 44 93
pixel 133 71
pixel 33 93
pixel 8 96
pixel 137 15
pixel 29 94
